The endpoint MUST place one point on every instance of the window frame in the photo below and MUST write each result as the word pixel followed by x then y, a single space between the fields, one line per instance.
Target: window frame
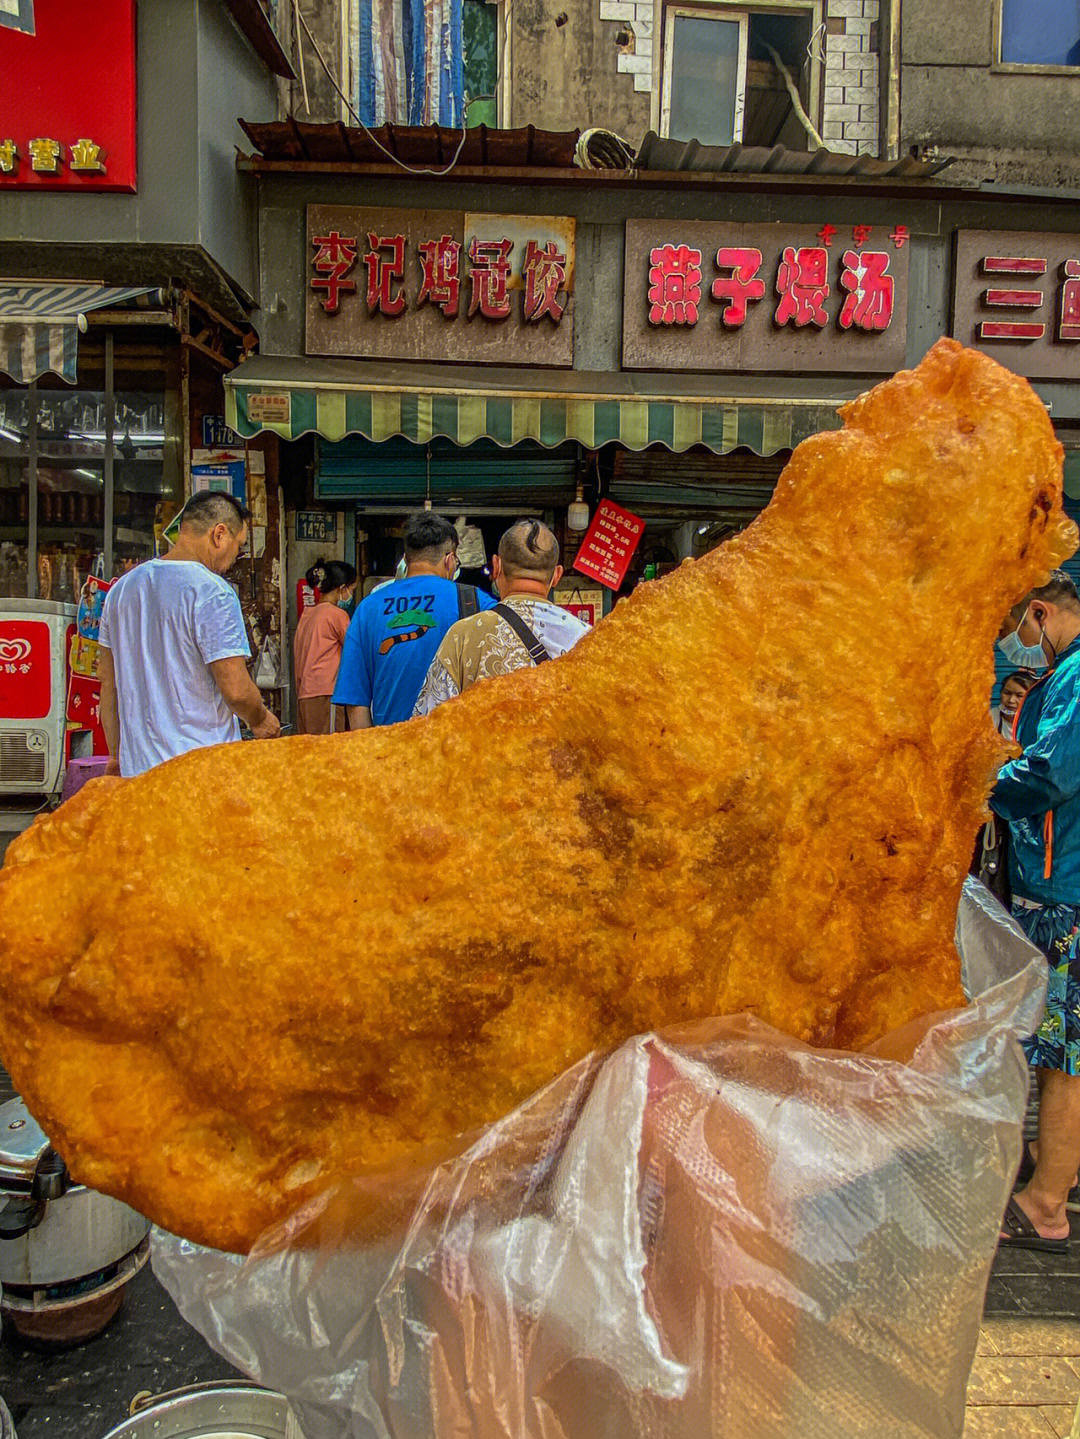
pixel 740 17
pixel 722 9
pixel 998 66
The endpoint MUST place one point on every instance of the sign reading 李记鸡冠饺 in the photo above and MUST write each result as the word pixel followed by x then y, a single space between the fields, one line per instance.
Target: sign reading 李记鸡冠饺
pixel 699 295
pixel 440 285
pixel 61 128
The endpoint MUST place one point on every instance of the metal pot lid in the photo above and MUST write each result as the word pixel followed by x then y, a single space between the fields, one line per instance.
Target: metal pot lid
pixel 23 1142
pixel 213 1411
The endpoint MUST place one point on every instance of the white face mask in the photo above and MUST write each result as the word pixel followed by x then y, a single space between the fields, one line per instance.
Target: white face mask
pixel 1025 657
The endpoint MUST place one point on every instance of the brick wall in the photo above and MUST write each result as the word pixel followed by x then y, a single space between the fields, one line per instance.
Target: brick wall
pixel 852 109
pixel 852 104
pixel 636 55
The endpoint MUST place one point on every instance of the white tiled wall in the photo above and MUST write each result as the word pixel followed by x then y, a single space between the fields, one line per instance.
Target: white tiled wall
pixel 851 113
pixel 637 16
pixel 852 98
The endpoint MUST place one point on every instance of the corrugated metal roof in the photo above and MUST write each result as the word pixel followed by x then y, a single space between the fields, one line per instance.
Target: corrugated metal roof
pixel 670 156
pixel 434 145
pixel 293 142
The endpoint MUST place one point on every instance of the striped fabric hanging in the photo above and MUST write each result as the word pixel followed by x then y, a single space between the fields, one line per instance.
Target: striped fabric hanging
pixel 408 66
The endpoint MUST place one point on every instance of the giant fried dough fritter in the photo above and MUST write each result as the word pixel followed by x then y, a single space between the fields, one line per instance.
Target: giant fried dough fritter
pixel 754 787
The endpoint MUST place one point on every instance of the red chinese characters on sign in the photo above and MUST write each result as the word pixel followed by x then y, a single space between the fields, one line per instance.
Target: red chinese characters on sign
pixel 61 127
pixel 740 286
pixel 440 264
pixel 1069 325
pixel 25 669
pixel 609 544
pixel 1012 297
pixel 385 265
pixel 674 285
pixel 489 278
pixel 335 255
pixel 869 302
pixel 544 273
pixel 803 286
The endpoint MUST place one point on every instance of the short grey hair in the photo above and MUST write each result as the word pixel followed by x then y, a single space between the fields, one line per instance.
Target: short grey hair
pixel 529 550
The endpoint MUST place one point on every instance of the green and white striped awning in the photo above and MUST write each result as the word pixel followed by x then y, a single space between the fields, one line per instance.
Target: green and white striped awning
pixel 40 324
pixel 335 398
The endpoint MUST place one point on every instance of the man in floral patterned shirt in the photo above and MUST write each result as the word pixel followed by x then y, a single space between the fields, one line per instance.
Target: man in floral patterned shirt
pixel 524 628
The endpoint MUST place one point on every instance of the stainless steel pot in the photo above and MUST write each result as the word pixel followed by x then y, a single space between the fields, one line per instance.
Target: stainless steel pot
pixel 212 1411
pixel 66 1252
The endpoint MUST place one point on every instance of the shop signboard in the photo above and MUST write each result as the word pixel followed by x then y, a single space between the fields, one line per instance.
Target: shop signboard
pixel 440 285
pixel 584 602
pixel 1017 296
pixel 228 477
pixel 609 544
pixel 61 127
pixel 699 295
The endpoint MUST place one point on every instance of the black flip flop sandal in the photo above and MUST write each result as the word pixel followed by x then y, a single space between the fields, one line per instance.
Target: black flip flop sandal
pixel 1020 1233
pixel 1027 1169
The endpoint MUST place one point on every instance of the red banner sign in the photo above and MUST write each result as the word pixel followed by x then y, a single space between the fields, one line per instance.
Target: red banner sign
pixel 67 96
pixel 25 669
pixel 609 544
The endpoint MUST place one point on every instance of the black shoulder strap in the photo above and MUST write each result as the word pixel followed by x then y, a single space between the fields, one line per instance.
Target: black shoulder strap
pixel 537 653
pixel 467 602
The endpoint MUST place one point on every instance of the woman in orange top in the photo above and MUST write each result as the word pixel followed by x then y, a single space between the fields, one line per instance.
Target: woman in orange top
pixel 317 645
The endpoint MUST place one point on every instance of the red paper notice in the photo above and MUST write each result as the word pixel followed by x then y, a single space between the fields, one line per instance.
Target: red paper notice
pixel 609 545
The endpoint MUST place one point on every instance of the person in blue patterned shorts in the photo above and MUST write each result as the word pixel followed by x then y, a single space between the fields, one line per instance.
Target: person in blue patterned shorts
pixel 1039 795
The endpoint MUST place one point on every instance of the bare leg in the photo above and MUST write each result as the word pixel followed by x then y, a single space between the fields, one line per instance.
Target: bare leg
pixel 1058 1154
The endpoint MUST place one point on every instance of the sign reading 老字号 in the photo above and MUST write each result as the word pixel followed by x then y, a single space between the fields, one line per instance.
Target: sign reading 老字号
pixel 317 525
pixel 1017 296
pixel 609 544
pixel 440 285
pixel 61 127
pixel 699 295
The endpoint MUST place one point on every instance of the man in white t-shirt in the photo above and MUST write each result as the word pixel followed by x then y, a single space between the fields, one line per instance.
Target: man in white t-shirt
pixel 523 629
pixel 174 651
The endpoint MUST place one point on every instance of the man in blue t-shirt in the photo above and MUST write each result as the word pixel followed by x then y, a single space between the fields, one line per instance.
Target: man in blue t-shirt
pixel 395 632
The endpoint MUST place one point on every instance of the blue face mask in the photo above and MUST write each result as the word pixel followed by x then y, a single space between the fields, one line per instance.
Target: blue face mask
pixel 348 605
pixel 1027 657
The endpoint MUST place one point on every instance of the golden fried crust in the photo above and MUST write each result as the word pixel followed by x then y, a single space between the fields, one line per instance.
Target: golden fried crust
pixel 754 787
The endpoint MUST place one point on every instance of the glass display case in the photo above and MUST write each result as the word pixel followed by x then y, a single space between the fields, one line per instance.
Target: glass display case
pixel 66 473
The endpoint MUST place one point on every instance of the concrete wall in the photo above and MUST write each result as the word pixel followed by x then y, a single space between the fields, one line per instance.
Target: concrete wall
pixel 232 82
pixel 1019 128
pixel 567 76
pixel 602 66
pixel 196 75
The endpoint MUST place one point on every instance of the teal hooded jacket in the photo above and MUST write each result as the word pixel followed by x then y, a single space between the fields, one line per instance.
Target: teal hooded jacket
pixel 1045 780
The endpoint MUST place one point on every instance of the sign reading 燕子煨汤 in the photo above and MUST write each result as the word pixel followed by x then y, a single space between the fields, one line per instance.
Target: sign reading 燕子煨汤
pixel 1017 297
pixel 440 285
pixel 699 295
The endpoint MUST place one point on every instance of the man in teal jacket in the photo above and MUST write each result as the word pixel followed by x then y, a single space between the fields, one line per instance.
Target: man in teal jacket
pixel 1039 795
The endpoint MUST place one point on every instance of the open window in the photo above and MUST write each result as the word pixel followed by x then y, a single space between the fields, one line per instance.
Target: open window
pixel 1042 33
pixel 740 73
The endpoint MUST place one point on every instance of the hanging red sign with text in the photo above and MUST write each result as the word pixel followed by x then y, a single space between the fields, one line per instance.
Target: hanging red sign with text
pixel 609 544
pixel 1017 297
pixel 440 285
pixel 67 95
pixel 702 296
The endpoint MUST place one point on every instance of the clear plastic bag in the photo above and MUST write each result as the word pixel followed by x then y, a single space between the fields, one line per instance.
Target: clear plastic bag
pixel 716 1231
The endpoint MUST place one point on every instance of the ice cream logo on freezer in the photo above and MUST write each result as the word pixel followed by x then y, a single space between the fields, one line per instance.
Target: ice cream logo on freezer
pixel 14 651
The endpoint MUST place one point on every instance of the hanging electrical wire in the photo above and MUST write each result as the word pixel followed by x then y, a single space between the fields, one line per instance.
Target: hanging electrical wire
pixel 409 169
